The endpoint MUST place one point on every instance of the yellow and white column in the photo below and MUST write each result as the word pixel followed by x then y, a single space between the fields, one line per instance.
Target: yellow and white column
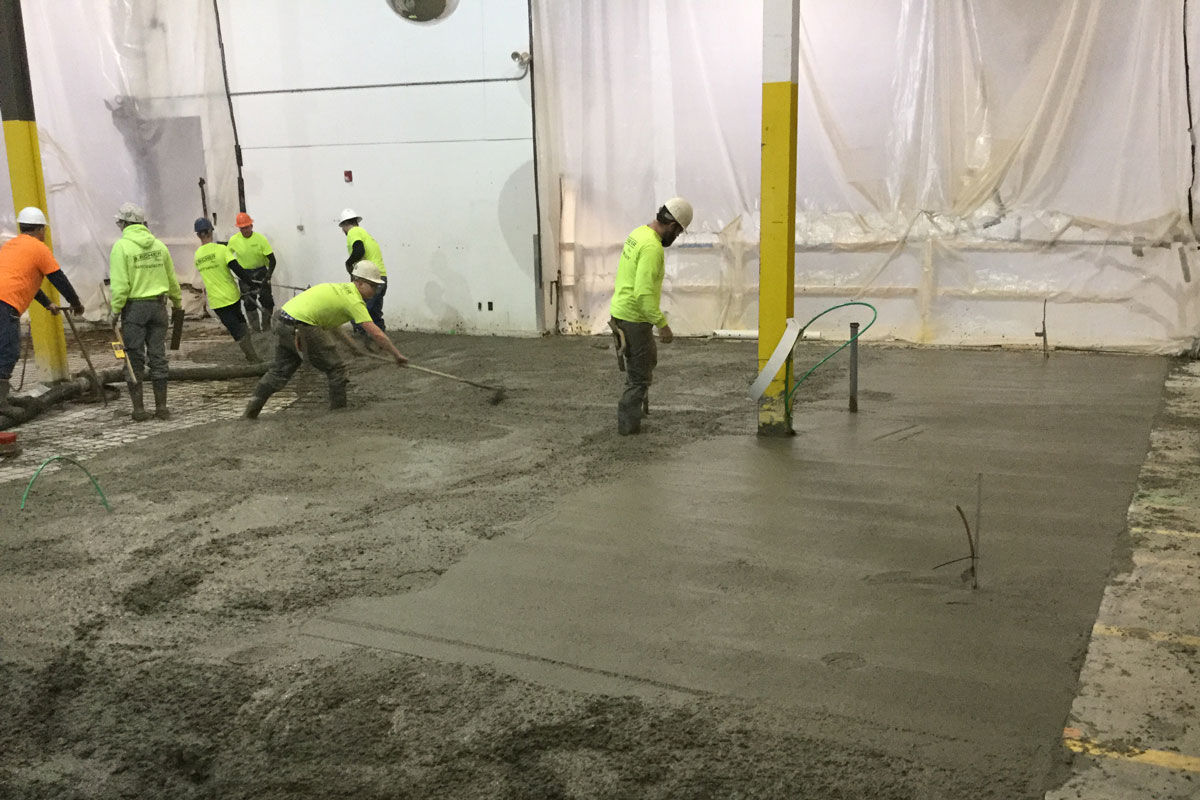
pixel 25 172
pixel 777 248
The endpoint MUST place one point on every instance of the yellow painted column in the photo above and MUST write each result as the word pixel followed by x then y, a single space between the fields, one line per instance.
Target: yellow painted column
pixel 777 243
pixel 25 172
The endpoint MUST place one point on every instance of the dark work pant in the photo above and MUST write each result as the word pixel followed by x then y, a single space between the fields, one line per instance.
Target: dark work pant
pixel 234 321
pixel 10 340
pixel 316 345
pixel 375 309
pixel 255 295
pixel 641 356
pixel 144 328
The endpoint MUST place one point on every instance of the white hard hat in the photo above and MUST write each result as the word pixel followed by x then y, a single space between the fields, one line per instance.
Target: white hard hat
pixel 348 214
pixel 367 271
pixel 128 212
pixel 31 215
pixel 681 210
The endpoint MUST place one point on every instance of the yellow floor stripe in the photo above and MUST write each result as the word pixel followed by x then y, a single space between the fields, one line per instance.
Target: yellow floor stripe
pixel 1141 633
pixel 1166 532
pixel 1158 758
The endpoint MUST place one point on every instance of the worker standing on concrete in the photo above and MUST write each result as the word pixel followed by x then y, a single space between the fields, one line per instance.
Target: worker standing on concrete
pixel 362 247
pixel 635 305
pixel 24 261
pixel 217 266
pixel 303 322
pixel 142 275
pixel 254 254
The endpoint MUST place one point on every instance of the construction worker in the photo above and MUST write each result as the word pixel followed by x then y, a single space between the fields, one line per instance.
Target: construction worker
pixel 24 261
pixel 217 266
pixel 362 247
pixel 142 275
pixel 257 259
pixel 303 322
pixel 635 306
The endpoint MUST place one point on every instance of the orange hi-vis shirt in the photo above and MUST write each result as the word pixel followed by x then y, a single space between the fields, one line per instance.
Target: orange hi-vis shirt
pixel 24 262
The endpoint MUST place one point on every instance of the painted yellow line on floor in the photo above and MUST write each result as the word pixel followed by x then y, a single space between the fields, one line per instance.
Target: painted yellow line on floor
pixel 1165 637
pixel 1074 740
pixel 1166 532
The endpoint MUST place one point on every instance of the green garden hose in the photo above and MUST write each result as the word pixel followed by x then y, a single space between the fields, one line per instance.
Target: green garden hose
pixel 790 396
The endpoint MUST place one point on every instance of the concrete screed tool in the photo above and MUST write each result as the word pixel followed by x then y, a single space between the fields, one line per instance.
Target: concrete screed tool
pixel 498 392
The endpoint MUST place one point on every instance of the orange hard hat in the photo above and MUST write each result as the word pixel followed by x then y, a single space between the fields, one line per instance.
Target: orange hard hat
pixel 243 219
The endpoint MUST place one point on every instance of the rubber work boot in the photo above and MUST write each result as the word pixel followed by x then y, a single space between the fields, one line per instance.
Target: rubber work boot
pixel 247 345
pixel 255 405
pixel 337 396
pixel 266 320
pixel 135 398
pixel 160 399
pixel 5 388
pixel 252 318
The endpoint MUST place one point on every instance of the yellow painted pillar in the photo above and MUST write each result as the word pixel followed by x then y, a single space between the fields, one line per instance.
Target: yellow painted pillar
pixel 777 243
pixel 25 172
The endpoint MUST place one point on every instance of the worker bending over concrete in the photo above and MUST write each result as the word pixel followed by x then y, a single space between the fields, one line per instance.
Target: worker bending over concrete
pixel 303 322
pixel 24 261
pixel 362 247
pixel 217 265
pixel 142 275
pixel 257 259
pixel 635 305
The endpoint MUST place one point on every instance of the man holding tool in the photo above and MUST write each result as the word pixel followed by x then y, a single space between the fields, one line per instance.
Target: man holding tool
pixel 635 306
pixel 362 247
pixel 303 322
pixel 217 266
pixel 24 261
pixel 255 256
pixel 142 275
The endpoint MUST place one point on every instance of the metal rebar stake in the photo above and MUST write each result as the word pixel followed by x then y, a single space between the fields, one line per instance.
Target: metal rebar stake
pixel 853 367
pixel 978 513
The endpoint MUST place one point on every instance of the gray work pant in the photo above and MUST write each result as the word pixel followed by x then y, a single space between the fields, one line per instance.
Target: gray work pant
pixel 144 329
pixel 641 357
pixel 313 343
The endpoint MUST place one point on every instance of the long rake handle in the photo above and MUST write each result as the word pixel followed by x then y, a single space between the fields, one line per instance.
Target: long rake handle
pixel 87 358
pixel 419 368
pixel 355 347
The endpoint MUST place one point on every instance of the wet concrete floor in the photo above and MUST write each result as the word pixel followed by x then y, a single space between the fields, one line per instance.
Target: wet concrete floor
pixel 800 571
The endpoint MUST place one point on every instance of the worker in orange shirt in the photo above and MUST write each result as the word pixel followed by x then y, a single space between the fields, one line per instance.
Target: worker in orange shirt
pixel 257 260
pixel 24 261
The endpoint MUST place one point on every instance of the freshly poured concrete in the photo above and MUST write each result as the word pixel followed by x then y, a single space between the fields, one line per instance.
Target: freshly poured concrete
pixel 799 571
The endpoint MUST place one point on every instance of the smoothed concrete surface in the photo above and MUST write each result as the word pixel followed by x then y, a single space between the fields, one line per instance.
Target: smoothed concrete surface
pixel 800 572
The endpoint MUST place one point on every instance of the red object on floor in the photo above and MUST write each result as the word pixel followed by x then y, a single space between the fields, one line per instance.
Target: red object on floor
pixel 7 438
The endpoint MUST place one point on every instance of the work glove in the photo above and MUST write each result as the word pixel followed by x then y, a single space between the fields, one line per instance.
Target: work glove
pixel 77 309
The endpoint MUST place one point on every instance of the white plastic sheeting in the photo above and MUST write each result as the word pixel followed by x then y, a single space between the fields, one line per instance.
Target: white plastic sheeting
pixel 130 106
pixel 960 162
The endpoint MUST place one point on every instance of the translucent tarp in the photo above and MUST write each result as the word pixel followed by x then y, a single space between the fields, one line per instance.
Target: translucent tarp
pixel 130 106
pixel 959 163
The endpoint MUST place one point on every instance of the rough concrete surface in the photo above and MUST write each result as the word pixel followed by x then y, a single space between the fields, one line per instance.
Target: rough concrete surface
pixel 157 651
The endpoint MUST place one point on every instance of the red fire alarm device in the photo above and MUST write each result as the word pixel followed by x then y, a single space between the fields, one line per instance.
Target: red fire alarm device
pixel 349 176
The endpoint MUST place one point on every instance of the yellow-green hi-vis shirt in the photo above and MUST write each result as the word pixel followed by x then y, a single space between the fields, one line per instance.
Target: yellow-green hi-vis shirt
pixel 140 267
pixel 211 262
pixel 638 289
pixel 252 252
pixel 371 251
pixel 328 305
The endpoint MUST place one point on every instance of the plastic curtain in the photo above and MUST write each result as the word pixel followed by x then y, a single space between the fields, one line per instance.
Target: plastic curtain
pixel 959 163
pixel 131 106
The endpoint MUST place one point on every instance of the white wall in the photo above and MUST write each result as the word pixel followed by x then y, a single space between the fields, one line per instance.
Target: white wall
pixel 443 174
